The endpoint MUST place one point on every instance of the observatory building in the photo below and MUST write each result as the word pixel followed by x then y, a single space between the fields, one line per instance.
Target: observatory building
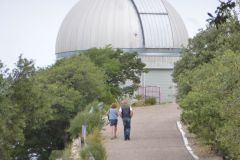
pixel 152 28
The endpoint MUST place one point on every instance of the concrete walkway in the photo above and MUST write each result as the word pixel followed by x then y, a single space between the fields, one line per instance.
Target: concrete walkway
pixel 154 136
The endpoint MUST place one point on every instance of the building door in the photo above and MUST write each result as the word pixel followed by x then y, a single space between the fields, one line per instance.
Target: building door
pixel 161 78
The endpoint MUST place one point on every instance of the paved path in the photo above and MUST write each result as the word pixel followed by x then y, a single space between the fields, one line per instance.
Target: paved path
pixel 154 136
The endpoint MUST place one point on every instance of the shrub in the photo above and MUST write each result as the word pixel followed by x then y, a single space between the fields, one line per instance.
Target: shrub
pixel 211 107
pixel 229 140
pixel 92 120
pixel 61 154
pixel 94 147
pixel 139 97
pixel 93 150
pixel 95 137
pixel 56 154
pixel 92 117
pixel 150 101
pixel 138 100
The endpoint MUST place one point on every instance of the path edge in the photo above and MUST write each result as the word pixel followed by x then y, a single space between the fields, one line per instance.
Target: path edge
pixel 185 140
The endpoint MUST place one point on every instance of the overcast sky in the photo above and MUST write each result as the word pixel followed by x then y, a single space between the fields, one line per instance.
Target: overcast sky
pixel 30 27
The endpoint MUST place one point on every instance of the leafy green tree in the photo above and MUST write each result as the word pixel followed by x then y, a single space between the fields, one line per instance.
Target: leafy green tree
pixel 11 122
pixel 36 106
pixel 207 77
pixel 206 45
pixel 119 67
pixel 27 94
pixel 223 13
pixel 80 74
pixel 68 86
pixel 31 103
pixel 213 41
pixel 211 108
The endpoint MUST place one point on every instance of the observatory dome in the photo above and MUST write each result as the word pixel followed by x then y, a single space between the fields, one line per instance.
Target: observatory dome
pixel 126 24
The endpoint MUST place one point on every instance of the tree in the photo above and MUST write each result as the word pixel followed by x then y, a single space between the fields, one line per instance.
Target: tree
pixel 66 88
pixel 31 102
pixel 211 108
pixel 37 105
pixel 11 122
pixel 119 67
pixel 223 13
pixel 207 77
pixel 207 45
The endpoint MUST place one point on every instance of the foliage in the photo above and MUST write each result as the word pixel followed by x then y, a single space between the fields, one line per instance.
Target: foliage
pixel 150 101
pixel 80 74
pixel 93 119
pixel 94 147
pixel 94 150
pixel 138 101
pixel 223 13
pixel 56 154
pixel 95 137
pixel 25 106
pixel 37 106
pixel 139 97
pixel 207 77
pixel 211 109
pixel 61 154
pixel 70 84
pixel 11 123
pixel 41 109
pixel 119 67
pixel 206 45
pixel 28 94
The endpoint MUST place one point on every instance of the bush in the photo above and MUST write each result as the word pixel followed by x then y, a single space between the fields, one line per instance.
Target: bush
pixel 95 137
pixel 150 101
pixel 211 107
pixel 61 154
pixel 56 154
pixel 94 150
pixel 139 97
pixel 138 100
pixel 92 120
pixel 92 117
pixel 229 140
pixel 94 147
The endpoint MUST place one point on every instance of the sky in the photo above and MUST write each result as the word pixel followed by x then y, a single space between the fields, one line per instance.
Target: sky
pixel 30 27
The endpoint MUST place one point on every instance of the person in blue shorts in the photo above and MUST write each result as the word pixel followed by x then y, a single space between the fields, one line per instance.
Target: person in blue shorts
pixel 113 120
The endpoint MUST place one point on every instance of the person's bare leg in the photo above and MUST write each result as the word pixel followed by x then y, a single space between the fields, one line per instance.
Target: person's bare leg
pixel 112 132
pixel 115 131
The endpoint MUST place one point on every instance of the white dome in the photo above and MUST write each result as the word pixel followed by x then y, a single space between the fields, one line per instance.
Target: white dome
pixel 125 24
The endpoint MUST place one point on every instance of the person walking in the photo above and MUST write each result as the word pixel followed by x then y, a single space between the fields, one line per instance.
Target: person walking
pixel 113 120
pixel 126 113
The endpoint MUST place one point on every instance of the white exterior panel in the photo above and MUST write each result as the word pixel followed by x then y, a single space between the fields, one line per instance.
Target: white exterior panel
pixel 178 28
pixel 163 79
pixel 157 31
pixel 156 62
pixel 150 6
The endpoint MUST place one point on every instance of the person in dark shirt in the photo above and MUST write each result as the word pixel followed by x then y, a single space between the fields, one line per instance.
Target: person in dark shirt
pixel 126 113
